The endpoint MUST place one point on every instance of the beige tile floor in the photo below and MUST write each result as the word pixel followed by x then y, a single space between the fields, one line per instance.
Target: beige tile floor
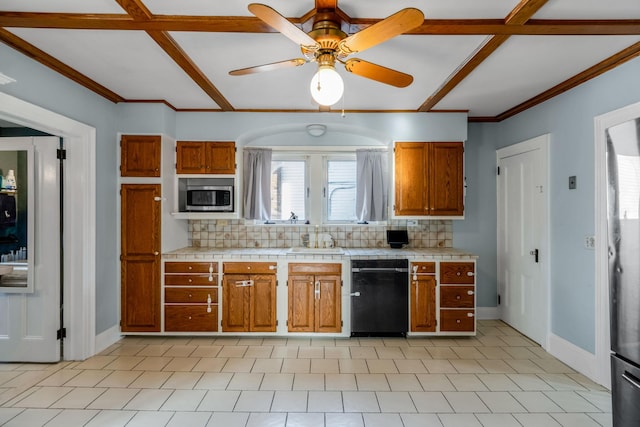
pixel 497 379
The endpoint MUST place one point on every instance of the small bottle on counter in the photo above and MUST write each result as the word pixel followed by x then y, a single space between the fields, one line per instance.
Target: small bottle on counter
pixel 10 180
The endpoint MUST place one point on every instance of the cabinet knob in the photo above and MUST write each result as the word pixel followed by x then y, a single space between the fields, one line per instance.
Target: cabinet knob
pixel 457 296
pixel 457 320
pixel 190 280
pixel 470 273
pixel 190 318
pixel 190 268
pixel 190 296
pixel 458 273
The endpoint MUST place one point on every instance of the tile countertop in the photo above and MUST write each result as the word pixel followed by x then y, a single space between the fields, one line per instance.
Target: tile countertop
pixel 193 253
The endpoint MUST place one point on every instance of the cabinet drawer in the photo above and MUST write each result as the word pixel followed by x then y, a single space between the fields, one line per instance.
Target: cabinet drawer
pixel 423 268
pixel 191 295
pixel 190 318
pixel 457 320
pixel 190 267
pixel 457 296
pixel 249 267
pixel 315 268
pixel 190 280
pixel 457 273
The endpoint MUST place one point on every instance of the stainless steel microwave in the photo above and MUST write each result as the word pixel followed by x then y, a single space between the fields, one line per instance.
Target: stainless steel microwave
pixel 209 198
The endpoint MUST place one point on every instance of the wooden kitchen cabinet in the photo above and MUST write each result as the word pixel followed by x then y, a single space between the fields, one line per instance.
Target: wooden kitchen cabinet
pixel 205 157
pixel 429 179
pixel 315 297
pixel 249 297
pixel 457 297
pixel 423 296
pixel 191 296
pixel 140 258
pixel 140 155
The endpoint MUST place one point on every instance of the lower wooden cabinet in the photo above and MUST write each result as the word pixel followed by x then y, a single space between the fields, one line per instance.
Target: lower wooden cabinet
pixel 249 297
pixel 191 296
pixel 315 297
pixel 457 297
pixel 423 296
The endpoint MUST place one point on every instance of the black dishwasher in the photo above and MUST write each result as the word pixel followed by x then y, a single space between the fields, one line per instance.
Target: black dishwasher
pixel 379 297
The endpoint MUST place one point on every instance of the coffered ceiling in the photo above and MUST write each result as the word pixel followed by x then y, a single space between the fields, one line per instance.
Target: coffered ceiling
pixel 492 58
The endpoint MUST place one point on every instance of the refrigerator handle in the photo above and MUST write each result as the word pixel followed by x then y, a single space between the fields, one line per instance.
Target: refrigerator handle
pixel 631 379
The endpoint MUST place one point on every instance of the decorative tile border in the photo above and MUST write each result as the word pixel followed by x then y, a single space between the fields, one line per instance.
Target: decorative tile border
pixel 237 234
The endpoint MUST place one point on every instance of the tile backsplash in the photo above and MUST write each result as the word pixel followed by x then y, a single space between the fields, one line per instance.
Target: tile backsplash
pixel 241 234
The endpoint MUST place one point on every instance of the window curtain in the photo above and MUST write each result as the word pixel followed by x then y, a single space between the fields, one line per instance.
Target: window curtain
pixel 257 183
pixel 371 185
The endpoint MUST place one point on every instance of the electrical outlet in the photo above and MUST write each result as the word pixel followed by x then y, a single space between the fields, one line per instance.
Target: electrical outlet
pixel 589 242
pixel 412 223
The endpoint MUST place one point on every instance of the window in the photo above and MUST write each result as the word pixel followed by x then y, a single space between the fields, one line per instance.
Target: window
pixel 288 185
pixel 317 186
pixel 341 191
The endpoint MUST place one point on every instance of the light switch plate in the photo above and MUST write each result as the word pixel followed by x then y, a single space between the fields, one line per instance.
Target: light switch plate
pixel 573 182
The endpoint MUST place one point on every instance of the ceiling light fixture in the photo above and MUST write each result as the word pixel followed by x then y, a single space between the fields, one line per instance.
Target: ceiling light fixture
pixel 326 85
pixel 316 129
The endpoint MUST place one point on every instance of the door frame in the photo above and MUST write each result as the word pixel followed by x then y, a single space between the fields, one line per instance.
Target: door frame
pixel 602 369
pixel 542 143
pixel 79 210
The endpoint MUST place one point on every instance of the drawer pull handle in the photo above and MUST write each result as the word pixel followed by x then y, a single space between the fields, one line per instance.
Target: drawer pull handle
pixel 469 314
pixel 470 292
pixel 208 309
pixel 273 267
pixel 211 277
pixel 317 290
pixel 210 268
pixel 208 298
pixel 470 273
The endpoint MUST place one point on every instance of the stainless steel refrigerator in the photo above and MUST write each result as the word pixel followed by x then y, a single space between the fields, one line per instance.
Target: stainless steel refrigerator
pixel 623 198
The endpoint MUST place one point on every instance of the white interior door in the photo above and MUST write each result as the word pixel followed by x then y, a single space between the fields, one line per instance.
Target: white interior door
pixel 29 320
pixel 523 255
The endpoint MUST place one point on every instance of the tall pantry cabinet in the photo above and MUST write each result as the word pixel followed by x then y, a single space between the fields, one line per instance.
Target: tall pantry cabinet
pixel 144 198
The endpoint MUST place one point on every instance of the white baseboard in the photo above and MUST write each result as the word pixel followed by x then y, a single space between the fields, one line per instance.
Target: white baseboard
pixel 487 313
pixel 573 356
pixel 107 338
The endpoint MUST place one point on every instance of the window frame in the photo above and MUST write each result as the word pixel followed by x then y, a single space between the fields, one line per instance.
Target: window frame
pixel 279 156
pixel 350 156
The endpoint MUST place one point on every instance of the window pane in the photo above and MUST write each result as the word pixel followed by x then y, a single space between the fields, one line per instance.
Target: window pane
pixel 287 189
pixel 341 190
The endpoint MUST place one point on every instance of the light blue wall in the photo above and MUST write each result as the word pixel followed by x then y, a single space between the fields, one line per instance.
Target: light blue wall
pixel 569 119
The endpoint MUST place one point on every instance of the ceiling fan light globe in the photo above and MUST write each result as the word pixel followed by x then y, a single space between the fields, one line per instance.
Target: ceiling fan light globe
pixel 326 86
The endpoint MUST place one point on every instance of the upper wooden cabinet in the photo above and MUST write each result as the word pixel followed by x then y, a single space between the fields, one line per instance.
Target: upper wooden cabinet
pixel 429 179
pixel 205 157
pixel 140 155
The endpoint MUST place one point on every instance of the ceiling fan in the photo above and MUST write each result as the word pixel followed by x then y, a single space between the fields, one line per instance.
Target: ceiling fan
pixel 326 43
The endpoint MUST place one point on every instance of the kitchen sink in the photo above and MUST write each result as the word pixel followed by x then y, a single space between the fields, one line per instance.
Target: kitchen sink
pixel 315 251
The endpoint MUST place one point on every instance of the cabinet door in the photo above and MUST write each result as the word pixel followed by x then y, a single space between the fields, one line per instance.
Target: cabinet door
pixel 262 317
pixel 446 180
pixel 140 258
pixel 301 303
pixel 140 155
pixel 410 179
pixel 328 303
pixel 423 304
pixel 190 157
pixel 235 303
pixel 220 157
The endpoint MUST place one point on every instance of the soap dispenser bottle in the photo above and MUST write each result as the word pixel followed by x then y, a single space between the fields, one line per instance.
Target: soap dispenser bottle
pixel 10 180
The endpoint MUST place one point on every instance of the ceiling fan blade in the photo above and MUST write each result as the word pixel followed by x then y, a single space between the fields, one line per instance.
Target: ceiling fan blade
pixel 280 23
pixel 396 24
pixel 378 73
pixel 268 67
